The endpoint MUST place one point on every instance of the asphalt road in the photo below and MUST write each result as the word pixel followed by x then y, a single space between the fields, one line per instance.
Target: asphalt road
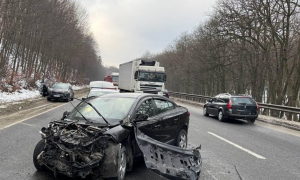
pixel 231 150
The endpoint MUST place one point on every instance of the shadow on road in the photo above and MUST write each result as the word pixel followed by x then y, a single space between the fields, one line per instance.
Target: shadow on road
pixel 232 121
pixel 139 171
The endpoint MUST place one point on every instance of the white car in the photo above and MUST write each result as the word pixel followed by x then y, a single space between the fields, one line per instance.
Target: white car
pixel 100 92
pixel 102 85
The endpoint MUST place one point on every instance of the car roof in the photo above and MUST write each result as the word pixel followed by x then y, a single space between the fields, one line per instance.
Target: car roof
pixel 227 95
pixel 104 90
pixel 132 95
pixel 98 82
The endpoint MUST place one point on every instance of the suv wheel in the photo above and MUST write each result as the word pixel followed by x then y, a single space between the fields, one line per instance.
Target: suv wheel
pixel 221 116
pixel 205 111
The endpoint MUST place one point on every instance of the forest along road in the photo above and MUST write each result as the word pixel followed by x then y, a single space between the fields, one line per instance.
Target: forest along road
pixel 231 150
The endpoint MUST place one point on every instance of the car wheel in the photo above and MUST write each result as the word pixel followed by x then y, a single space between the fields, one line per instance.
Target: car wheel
pixel 48 99
pixel 205 111
pixel 250 121
pixel 182 139
pixel 69 98
pixel 37 151
pixel 122 164
pixel 221 116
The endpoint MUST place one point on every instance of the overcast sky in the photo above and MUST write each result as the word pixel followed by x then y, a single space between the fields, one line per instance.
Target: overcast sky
pixel 126 29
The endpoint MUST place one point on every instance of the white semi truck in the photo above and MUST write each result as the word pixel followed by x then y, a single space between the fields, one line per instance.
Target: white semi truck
pixel 142 76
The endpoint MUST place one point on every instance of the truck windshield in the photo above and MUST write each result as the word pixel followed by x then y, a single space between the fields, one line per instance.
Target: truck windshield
pixel 115 78
pixel 151 76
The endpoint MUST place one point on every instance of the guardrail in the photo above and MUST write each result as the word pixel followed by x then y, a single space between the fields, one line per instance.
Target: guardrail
pixel 264 108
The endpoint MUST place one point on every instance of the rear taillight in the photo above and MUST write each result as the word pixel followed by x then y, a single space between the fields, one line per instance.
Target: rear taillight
pixel 188 113
pixel 229 105
pixel 257 108
pixel 168 94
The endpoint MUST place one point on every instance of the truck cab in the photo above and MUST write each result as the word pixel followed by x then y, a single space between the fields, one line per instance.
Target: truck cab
pixel 115 78
pixel 142 76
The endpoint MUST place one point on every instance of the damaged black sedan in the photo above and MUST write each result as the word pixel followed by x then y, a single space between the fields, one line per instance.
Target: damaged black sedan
pixel 102 135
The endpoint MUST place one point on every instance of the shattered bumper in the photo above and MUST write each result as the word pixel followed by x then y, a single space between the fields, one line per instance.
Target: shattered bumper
pixel 169 161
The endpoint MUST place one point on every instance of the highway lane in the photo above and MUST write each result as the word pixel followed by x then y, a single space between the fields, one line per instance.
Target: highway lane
pixel 281 150
pixel 221 160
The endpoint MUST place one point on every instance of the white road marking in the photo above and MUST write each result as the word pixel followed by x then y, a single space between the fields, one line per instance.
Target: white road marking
pixel 27 124
pixel 33 108
pixel 238 146
pixel 30 117
pixel 197 130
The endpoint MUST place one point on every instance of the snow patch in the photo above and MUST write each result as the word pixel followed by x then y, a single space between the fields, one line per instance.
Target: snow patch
pixel 18 95
pixel 76 87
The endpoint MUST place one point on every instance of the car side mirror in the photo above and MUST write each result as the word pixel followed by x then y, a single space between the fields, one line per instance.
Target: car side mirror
pixel 141 117
pixel 65 114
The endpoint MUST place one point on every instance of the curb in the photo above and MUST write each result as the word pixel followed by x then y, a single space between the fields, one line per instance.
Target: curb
pixel 266 119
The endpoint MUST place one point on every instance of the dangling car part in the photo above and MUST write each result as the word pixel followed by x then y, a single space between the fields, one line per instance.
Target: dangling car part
pixel 86 142
pixel 169 161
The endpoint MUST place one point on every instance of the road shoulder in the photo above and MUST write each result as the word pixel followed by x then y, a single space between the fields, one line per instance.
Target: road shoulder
pixel 16 112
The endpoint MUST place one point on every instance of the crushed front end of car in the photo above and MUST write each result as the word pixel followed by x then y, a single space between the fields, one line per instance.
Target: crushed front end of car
pixel 78 150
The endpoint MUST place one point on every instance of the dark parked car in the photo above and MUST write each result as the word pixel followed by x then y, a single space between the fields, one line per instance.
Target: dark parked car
pixel 232 106
pixel 61 91
pixel 102 135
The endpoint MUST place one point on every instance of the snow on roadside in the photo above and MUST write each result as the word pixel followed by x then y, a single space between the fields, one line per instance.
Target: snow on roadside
pixel 76 87
pixel 6 97
pixel 18 95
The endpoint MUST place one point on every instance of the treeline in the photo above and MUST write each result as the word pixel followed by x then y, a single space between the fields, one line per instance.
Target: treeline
pixel 247 46
pixel 46 39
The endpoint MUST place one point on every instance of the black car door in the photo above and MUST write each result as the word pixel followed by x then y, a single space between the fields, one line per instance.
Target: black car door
pixel 169 118
pixel 208 106
pixel 153 126
pixel 211 106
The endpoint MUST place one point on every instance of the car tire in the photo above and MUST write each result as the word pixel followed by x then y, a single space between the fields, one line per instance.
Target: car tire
pixel 221 117
pixel 122 164
pixel 182 139
pixel 69 99
pixel 205 111
pixel 251 121
pixel 37 151
pixel 48 99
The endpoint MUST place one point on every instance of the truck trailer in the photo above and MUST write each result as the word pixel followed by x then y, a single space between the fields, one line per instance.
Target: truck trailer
pixel 142 76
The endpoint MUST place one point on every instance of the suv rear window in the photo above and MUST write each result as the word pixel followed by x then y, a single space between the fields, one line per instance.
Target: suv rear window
pixel 242 100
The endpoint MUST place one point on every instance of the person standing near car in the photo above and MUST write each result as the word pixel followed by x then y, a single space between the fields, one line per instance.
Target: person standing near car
pixel 44 89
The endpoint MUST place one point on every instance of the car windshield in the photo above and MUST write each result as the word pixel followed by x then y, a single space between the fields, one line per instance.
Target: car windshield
pixel 115 78
pixel 113 109
pixel 100 93
pixel 151 76
pixel 60 86
pixel 242 100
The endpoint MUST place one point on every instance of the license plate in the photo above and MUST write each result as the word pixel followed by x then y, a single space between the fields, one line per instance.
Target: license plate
pixel 56 95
